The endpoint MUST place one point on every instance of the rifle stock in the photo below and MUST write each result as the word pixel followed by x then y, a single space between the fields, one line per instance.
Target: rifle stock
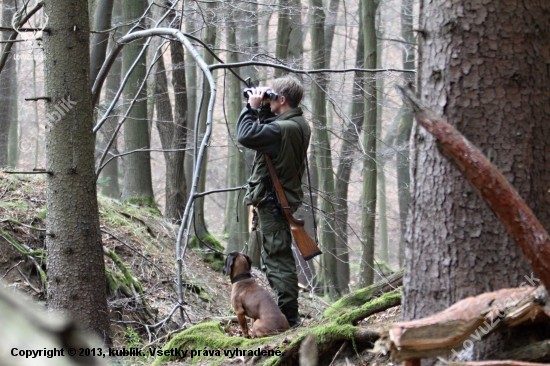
pixel 307 246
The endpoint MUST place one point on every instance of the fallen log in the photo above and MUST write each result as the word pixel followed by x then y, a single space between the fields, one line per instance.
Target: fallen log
pixel 473 317
pixel 517 218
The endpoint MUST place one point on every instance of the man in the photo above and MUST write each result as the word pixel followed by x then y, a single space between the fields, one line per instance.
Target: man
pixel 283 134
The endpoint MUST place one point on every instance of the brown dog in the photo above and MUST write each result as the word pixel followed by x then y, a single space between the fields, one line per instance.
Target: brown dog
pixel 247 298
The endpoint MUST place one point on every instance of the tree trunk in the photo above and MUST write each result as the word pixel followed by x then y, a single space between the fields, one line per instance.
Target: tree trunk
pixel 76 272
pixel 7 86
pixel 192 86
pixel 323 151
pixel 109 174
pixel 137 166
pixel 350 138
pixel 172 126
pixel 102 21
pixel 404 129
pixel 236 172
pixel 368 199
pixel 13 149
pixel 210 39
pixel 494 89
pixel 381 146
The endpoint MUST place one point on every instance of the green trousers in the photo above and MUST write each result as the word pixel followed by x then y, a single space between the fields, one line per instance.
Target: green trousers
pixel 277 260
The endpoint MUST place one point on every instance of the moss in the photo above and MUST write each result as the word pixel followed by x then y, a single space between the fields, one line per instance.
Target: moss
pixel 112 283
pixel 324 336
pixel 209 336
pixel 126 278
pixel 42 213
pixel 20 248
pixel 146 203
pixel 210 250
pixel 384 300
pixel 358 297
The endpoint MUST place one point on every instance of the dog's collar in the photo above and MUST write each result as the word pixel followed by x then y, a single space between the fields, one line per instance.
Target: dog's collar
pixel 238 278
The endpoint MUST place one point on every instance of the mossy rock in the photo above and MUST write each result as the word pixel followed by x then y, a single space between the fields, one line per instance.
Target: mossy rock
pixel 210 250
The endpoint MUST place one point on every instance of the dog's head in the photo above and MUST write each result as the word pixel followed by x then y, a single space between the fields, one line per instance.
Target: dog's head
pixel 244 263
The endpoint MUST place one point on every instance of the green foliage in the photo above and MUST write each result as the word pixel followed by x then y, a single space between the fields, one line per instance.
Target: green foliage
pixel 210 250
pixel 42 213
pixel 132 338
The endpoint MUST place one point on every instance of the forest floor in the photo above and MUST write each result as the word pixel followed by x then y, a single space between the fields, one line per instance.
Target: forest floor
pixel 142 285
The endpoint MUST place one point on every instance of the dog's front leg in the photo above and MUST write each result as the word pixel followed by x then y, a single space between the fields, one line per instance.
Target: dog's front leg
pixel 243 324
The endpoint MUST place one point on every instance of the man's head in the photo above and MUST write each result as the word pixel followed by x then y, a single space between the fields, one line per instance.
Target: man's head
pixel 290 88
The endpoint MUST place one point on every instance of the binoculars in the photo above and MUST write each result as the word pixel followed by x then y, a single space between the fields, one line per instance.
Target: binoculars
pixel 268 93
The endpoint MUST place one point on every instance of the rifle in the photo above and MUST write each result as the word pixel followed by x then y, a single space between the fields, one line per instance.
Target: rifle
pixel 307 246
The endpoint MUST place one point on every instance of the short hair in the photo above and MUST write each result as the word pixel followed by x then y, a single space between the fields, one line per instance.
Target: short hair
pixel 290 87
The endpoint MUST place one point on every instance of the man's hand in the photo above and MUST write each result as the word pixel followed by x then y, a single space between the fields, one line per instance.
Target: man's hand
pixel 256 96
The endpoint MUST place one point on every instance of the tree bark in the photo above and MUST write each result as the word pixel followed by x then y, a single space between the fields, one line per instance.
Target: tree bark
pixel 485 70
pixel 76 272
pixel 138 186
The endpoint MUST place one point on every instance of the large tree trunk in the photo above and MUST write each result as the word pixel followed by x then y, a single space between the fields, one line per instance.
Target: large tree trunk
pixel 492 83
pixel 76 272
pixel 138 186
pixel 7 86
pixel 323 151
pixel 368 198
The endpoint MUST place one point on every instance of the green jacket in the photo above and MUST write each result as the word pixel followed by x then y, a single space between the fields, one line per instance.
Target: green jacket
pixel 285 138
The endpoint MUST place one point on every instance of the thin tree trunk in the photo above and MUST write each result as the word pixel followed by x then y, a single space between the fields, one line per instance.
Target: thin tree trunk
pixel 380 145
pixel 192 87
pixel 201 229
pixel 235 207
pixel 368 199
pixel 13 150
pixel 109 174
pixel 175 133
pixel 350 138
pixel 137 166
pixel 323 151
pixel 102 21
pixel 404 130
pixel 7 86
pixel 76 271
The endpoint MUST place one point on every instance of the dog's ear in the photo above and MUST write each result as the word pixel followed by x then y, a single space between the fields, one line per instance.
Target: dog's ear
pixel 228 263
pixel 249 261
